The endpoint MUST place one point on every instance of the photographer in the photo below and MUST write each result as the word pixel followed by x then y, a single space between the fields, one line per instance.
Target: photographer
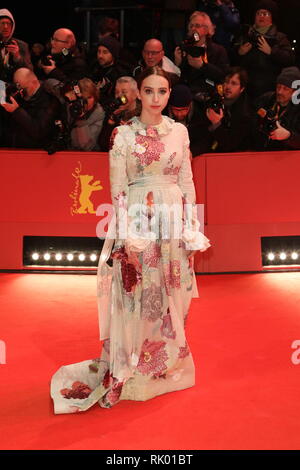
pixel 14 53
pixel 82 115
pixel 204 59
pixel 262 50
pixel 118 113
pixel 30 122
pixel 64 61
pixel 277 125
pixel 228 118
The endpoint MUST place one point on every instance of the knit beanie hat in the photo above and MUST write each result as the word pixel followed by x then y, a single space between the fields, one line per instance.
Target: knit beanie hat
pixel 269 5
pixel 111 44
pixel 288 75
pixel 181 96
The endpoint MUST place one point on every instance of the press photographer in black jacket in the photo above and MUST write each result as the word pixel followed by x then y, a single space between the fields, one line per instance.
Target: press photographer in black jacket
pixel 30 116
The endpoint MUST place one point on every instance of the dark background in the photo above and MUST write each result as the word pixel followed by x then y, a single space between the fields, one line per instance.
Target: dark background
pixel 35 22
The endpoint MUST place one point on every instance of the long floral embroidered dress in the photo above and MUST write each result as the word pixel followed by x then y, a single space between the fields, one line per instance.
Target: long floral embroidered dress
pixel 145 352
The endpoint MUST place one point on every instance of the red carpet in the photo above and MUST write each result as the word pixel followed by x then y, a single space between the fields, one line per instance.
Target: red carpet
pixel 240 332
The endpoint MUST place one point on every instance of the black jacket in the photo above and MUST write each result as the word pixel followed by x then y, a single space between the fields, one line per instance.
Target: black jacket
pixel 289 118
pixel 232 135
pixel 263 69
pixel 32 125
pixel 215 70
pixel 70 67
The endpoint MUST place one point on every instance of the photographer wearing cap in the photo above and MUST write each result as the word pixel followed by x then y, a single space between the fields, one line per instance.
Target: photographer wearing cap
pixel 14 53
pixel 117 113
pixel 262 50
pixel 108 67
pixel 64 62
pixel 31 112
pixel 204 59
pixel 277 125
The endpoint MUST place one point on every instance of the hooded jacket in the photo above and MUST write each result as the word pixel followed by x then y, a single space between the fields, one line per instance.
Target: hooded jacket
pixel 8 63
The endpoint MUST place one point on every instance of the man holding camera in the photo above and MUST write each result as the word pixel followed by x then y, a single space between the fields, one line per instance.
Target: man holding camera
pixel 64 61
pixel 119 111
pixel 14 53
pixel 277 125
pixel 262 50
pixel 31 113
pixel 228 121
pixel 204 59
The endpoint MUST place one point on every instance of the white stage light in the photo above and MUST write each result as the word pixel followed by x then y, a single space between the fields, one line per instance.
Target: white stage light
pixel 271 256
pixel 294 255
pixel 93 257
pixel 58 256
pixel 35 256
pixel 81 257
pixel 282 256
pixel 47 256
pixel 70 257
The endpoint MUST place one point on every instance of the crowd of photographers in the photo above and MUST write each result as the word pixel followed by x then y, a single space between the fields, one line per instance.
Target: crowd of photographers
pixel 235 87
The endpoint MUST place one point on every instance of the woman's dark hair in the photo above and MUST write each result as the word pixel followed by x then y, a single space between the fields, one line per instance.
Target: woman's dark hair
pixel 153 71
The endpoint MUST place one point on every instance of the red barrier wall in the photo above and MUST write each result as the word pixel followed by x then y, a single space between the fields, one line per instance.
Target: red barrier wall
pixel 246 196
pixel 42 195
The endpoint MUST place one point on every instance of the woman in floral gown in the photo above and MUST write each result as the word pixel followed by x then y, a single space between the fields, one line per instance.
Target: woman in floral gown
pixel 144 308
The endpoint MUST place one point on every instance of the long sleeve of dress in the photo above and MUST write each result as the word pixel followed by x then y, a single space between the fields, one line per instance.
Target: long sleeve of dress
pixel 119 180
pixel 192 236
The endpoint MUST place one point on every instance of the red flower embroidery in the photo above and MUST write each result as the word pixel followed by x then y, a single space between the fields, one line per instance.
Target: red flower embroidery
pixel 152 358
pixel 153 148
pixel 107 379
pixel 78 390
pixel 130 276
pixel 152 302
pixel 183 352
pixel 152 254
pixel 167 327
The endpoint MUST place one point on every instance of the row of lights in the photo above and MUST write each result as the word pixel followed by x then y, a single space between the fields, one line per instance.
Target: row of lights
pixel 283 256
pixel 59 257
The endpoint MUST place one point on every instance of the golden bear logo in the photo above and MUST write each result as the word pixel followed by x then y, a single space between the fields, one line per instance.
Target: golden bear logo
pixel 82 192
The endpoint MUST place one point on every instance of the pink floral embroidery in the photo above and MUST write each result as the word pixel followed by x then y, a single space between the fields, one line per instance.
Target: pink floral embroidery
pixel 113 395
pixel 122 198
pixel 152 255
pixel 78 390
pixel 183 352
pixel 171 171
pixel 153 148
pixel 172 275
pixel 151 302
pixel 152 358
pixel 167 327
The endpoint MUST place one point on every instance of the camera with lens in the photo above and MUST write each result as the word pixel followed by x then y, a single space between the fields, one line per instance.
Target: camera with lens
pixel 268 122
pixel 11 90
pixel 249 34
pixel 188 46
pixel 76 103
pixel 211 96
pixel 112 106
pixel 4 43
pixel 45 60
pixel 61 138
